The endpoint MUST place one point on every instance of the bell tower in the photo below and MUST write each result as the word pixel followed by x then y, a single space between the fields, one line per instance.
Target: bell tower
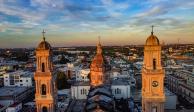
pixel 97 67
pixel 45 84
pixel 153 96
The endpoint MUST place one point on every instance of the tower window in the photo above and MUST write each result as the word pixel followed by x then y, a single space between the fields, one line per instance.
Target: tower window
pixel 154 109
pixel 43 89
pixel 43 67
pixel 44 109
pixel 154 64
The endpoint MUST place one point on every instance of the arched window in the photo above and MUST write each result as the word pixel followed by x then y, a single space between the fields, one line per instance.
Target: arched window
pixel 43 67
pixel 43 89
pixel 44 109
pixel 154 64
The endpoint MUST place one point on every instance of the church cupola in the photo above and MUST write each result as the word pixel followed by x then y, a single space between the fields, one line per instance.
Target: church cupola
pixel 44 56
pixel 97 67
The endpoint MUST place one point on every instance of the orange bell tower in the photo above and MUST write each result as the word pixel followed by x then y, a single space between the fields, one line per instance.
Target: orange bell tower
pixel 45 84
pixel 153 97
pixel 97 67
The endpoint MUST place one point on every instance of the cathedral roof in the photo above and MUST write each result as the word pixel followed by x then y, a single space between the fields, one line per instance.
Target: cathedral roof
pixel 44 45
pixel 152 40
pixel 100 98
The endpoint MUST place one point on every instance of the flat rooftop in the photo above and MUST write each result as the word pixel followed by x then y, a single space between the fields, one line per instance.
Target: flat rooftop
pixel 22 73
pixel 81 83
pixel 120 82
pixel 11 91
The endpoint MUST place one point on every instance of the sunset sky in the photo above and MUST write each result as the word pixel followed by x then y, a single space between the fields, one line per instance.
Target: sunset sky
pixel 80 22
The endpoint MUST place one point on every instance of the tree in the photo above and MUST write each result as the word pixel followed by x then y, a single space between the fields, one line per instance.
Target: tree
pixel 62 81
pixel 63 60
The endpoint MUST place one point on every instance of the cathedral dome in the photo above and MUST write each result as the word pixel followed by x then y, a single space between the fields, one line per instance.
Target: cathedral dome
pixel 44 45
pixel 152 40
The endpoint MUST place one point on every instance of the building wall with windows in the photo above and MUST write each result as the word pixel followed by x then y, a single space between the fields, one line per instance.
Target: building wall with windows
pixel 80 90
pixel 121 91
pixel 182 83
pixel 18 78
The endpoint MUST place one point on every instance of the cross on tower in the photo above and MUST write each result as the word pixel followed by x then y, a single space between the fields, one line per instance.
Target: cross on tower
pixel 152 29
pixel 43 32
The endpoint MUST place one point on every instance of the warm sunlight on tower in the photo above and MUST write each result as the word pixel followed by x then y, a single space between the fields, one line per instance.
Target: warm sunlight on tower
pixel 45 87
pixel 153 97
pixel 97 67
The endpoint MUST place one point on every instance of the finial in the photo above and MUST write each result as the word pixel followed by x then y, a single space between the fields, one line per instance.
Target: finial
pixel 152 30
pixel 98 39
pixel 43 32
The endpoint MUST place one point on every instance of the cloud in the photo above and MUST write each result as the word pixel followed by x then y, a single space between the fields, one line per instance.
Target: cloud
pixel 114 8
pixel 163 7
pixel 157 10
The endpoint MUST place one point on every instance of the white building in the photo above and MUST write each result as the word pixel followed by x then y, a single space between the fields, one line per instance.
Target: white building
pixel 14 107
pixel 120 88
pixel 79 90
pixel 18 78
pixel 82 75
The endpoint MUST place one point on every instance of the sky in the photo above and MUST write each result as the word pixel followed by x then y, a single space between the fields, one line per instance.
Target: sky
pixel 80 22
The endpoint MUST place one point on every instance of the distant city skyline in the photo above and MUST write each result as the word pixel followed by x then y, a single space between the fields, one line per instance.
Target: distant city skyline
pixel 79 23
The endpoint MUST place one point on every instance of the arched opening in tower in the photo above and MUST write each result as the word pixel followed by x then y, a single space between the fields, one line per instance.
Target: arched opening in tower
pixel 43 67
pixel 154 63
pixel 44 109
pixel 43 89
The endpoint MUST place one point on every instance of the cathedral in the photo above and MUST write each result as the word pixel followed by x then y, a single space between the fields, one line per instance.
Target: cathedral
pixel 97 93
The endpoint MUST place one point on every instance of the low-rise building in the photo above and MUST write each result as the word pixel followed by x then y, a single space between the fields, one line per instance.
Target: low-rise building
pixel 18 78
pixel 16 107
pixel 120 88
pixel 182 83
pixel 82 75
pixel 79 90
pixel 10 95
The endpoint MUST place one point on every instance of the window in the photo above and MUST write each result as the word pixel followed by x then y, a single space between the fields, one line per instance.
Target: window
pixel 43 89
pixel 43 67
pixel 26 80
pixel 83 91
pixel 44 109
pixel 154 64
pixel 117 91
pixel 154 109
pixel 20 80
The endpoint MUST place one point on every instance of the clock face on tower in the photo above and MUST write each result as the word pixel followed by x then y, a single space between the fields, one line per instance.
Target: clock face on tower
pixel 155 83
